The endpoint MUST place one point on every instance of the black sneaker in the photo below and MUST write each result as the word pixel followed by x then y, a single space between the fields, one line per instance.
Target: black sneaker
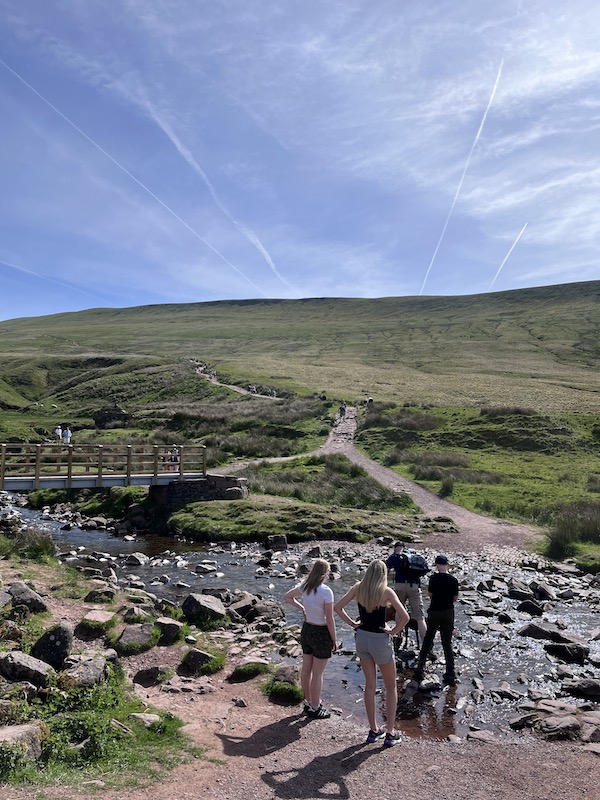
pixel 450 680
pixel 318 713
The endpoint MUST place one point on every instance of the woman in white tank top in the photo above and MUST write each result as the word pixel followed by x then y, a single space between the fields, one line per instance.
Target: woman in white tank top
pixel 318 637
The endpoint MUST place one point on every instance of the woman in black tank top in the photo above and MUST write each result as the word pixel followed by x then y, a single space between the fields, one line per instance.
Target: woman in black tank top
pixel 374 644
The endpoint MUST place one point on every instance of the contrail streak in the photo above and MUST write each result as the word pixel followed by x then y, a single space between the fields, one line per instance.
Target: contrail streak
pixel 462 178
pixel 185 153
pixel 133 178
pixel 506 257
pixel 50 280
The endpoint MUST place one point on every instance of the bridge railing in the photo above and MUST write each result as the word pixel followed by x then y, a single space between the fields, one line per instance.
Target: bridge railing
pixel 43 460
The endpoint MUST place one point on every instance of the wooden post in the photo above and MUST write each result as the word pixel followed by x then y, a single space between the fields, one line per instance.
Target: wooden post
pixel 181 451
pixel 155 464
pixel 2 465
pixel 128 465
pixel 204 460
pixel 99 478
pixel 38 459
pixel 69 465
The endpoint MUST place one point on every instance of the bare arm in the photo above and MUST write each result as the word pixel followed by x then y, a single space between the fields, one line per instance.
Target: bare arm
pixel 340 607
pixel 331 623
pixel 292 596
pixel 390 596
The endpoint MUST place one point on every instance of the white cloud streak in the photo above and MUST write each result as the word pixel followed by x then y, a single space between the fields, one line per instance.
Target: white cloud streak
pixel 132 177
pixel 462 177
pixel 507 256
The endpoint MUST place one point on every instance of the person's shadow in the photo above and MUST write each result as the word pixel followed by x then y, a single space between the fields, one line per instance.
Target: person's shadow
pixel 324 776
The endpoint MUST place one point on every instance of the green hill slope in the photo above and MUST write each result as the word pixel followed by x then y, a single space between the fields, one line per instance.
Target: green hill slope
pixel 537 346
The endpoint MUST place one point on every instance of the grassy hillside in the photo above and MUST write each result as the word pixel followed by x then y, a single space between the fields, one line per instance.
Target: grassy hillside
pixel 536 347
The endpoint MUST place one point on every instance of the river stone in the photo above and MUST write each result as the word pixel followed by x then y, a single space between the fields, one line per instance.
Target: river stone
pixel 88 670
pixel 17 666
pixel 136 637
pixel 170 630
pixel 103 594
pixel 583 687
pixel 571 653
pixel 530 607
pixel 29 734
pixel 199 607
pixel 481 736
pixel 195 659
pixel 558 727
pixel 23 595
pixel 542 591
pixel 54 645
pixel 546 630
pixel 276 542
pixel 243 603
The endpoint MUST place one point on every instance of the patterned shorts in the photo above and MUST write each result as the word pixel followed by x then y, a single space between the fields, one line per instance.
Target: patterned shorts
pixel 316 641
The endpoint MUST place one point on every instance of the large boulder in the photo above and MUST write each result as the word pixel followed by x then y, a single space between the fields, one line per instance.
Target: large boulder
pixel 570 652
pixel 29 735
pixel 54 645
pixel 24 595
pixel 17 666
pixel 536 629
pixel 203 609
pixel 86 670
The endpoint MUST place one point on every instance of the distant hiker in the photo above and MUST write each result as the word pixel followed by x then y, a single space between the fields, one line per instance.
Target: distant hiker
pixel 342 411
pixel 443 590
pixel 66 435
pixel 407 583
pixel 58 434
pixel 317 637
pixel 173 458
pixel 374 644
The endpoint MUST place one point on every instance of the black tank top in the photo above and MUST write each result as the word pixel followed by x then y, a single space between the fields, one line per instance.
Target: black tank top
pixel 372 621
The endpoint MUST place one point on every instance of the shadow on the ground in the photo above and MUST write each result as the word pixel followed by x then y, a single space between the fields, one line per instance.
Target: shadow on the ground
pixel 324 776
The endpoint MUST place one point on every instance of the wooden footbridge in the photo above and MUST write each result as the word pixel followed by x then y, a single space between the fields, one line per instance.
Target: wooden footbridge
pixel 55 466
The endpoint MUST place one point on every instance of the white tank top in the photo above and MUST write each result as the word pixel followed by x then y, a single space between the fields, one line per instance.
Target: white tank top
pixel 314 604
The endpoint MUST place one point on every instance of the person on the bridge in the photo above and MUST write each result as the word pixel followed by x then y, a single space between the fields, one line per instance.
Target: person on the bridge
pixel 407 586
pixel 66 435
pixel 317 637
pixel 374 644
pixel 443 591
pixel 58 434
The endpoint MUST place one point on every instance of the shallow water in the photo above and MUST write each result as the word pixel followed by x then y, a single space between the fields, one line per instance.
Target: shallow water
pixel 432 715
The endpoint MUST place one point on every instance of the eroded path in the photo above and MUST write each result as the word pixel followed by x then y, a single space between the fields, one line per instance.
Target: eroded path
pixel 475 531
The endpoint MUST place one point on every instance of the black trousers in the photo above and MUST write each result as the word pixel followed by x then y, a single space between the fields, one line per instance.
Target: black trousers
pixel 442 621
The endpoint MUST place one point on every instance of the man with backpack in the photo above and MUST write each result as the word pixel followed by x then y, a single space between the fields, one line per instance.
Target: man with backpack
pixel 409 567
pixel 443 591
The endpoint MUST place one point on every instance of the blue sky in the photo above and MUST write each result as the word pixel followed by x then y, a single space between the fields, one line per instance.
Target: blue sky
pixel 158 151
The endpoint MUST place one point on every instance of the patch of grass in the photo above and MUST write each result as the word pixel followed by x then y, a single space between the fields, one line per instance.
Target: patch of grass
pixel 247 671
pixel 282 692
pixel 254 519
pixel 323 480
pixel 216 664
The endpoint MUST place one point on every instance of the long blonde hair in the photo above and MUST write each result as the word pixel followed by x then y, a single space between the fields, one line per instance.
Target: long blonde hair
pixel 371 588
pixel 316 576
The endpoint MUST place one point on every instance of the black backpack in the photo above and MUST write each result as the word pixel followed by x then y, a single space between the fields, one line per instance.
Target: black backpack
pixel 414 564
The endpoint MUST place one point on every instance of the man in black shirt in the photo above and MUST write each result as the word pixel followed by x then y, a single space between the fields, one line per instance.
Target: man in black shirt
pixel 443 591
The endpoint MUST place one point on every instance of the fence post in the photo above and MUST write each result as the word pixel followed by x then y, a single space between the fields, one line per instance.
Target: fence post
pixel 128 465
pixel 69 466
pixel 100 454
pixel 155 464
pixel 181 452
pixel 2 465
pixel 204 460
pixel 38 460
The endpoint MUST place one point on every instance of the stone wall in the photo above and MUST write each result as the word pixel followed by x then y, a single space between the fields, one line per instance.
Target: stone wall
pixel 212 487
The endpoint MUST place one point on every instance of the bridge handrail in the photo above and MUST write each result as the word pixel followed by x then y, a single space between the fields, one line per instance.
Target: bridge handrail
pixel 43 460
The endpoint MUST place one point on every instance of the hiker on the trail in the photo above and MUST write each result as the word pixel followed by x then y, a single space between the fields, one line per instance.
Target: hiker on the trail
pixel 342 410
pixel 318 637
pixel 407 585
pixel 443 591
pixel 374 644
pixel 58 434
